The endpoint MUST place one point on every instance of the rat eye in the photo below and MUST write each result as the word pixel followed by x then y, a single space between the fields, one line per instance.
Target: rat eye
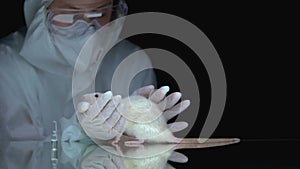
pixel 96 95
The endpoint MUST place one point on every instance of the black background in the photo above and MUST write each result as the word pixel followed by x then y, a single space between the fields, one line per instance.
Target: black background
pixel 258 45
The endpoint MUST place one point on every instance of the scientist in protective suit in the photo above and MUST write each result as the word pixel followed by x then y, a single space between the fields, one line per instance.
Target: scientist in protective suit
pixel 36 68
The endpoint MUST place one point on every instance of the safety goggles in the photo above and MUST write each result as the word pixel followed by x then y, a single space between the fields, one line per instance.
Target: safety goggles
pixel 66 17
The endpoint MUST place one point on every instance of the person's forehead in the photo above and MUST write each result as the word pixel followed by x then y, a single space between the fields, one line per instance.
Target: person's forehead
pixel 82 3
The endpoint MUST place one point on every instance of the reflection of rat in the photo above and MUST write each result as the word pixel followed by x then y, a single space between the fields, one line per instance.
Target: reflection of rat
pixel 145 121
pixel 150 156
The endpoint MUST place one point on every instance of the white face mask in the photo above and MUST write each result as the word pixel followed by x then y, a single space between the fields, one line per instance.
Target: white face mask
pixel 79 28
pixel 69 40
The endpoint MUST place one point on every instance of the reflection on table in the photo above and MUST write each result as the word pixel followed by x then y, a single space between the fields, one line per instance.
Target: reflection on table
pixel 88 155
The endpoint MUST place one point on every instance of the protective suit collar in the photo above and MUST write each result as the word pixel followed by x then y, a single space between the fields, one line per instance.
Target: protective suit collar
pixel 38 48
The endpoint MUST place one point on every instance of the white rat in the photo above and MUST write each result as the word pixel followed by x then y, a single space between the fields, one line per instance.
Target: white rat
pixel 146 123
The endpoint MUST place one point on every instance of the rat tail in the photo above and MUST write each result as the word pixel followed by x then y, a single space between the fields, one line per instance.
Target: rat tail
pixel 207 141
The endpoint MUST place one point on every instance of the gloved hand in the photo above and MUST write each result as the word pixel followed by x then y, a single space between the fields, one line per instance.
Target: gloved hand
pixel 167 104
pixel 101 120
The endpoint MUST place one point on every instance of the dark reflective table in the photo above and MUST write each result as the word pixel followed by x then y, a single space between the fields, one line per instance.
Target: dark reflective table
pixel 72 155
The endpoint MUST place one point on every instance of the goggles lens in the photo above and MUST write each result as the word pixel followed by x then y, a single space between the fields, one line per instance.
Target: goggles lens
pixel 67 17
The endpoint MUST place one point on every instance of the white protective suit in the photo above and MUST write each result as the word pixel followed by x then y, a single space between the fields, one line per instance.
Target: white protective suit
pixel 36 80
